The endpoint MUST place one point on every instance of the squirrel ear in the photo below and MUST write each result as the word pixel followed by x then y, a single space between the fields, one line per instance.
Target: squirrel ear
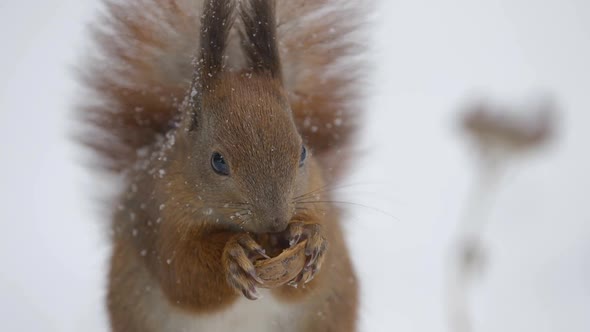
pixel 259 40
pixel 216 23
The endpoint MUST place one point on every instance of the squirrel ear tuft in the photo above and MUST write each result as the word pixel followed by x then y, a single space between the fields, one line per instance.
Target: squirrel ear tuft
pixel 259 40
pixel 216 23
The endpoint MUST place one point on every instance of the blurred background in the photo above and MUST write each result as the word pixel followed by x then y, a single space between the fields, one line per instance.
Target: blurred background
pixel 413 182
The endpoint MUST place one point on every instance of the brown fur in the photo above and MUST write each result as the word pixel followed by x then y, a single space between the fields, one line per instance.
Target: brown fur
pixel 142 70
pixel 183 231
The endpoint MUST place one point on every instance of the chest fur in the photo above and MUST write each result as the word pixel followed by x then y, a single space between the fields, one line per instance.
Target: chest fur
pixel 263 315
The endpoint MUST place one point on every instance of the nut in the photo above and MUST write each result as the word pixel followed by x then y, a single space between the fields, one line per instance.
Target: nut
pixel 279 270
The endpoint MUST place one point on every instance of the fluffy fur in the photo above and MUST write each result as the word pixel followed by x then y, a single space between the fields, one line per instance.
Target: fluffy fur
pixel 167 95
pixel 143 68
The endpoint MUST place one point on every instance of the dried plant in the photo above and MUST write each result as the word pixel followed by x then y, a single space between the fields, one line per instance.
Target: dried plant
pixel 499 134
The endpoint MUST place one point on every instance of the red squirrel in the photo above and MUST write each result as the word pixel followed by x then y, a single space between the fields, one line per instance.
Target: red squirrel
pixel 226 121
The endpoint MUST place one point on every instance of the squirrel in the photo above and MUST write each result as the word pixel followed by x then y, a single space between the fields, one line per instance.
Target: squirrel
pixel 226 122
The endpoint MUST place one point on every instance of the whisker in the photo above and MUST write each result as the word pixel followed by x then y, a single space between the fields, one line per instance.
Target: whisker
pixel 353 204
pixel 311 192
pixel 305 209
pixel 244 220
pixel 325 188
pixel 229 203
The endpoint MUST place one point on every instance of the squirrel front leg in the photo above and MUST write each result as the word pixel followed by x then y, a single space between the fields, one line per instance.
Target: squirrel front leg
pixel 311 229
pixel 315 249
pixel 238 264
pixel 204 271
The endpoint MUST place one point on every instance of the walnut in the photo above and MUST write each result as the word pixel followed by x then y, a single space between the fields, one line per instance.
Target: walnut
pixel 279 270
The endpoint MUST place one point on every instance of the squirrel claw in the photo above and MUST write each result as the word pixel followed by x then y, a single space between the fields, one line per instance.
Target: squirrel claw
pixel 295 232
pixel 315 249
pixel 240 271
pixel 251 293
pixel 308 274
pixel 249 244
pixel 253 275
pixel 263 253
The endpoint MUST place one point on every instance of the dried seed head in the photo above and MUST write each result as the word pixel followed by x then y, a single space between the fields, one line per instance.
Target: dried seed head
pixel 501 130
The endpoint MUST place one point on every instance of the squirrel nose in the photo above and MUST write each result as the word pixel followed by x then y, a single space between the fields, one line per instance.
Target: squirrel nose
pixel 278 224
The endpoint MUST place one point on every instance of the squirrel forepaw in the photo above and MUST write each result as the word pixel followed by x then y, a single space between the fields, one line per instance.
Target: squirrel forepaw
pixel 237 260
pixel 315 249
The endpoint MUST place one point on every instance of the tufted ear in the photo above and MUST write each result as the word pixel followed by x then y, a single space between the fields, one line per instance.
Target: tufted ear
pixel 259 40
pixel 216 23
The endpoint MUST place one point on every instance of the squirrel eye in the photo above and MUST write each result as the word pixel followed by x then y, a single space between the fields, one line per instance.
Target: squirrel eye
pixel 218 164
pixel 303 156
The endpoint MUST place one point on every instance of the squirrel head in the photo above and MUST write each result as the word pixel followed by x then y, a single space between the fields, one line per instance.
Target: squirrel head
pixel 240 149
pixel 247 160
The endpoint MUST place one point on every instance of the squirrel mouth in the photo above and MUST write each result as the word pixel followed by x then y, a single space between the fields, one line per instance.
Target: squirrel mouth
pixel 273 243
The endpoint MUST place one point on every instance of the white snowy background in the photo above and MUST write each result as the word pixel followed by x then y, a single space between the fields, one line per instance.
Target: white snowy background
pixel 413 164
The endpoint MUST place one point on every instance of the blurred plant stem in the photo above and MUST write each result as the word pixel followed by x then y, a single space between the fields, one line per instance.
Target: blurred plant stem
pixel 499 135
pixel 468 254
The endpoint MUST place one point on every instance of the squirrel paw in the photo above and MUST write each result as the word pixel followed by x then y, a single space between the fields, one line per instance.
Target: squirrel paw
pixel 238 256
pixel 315 250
